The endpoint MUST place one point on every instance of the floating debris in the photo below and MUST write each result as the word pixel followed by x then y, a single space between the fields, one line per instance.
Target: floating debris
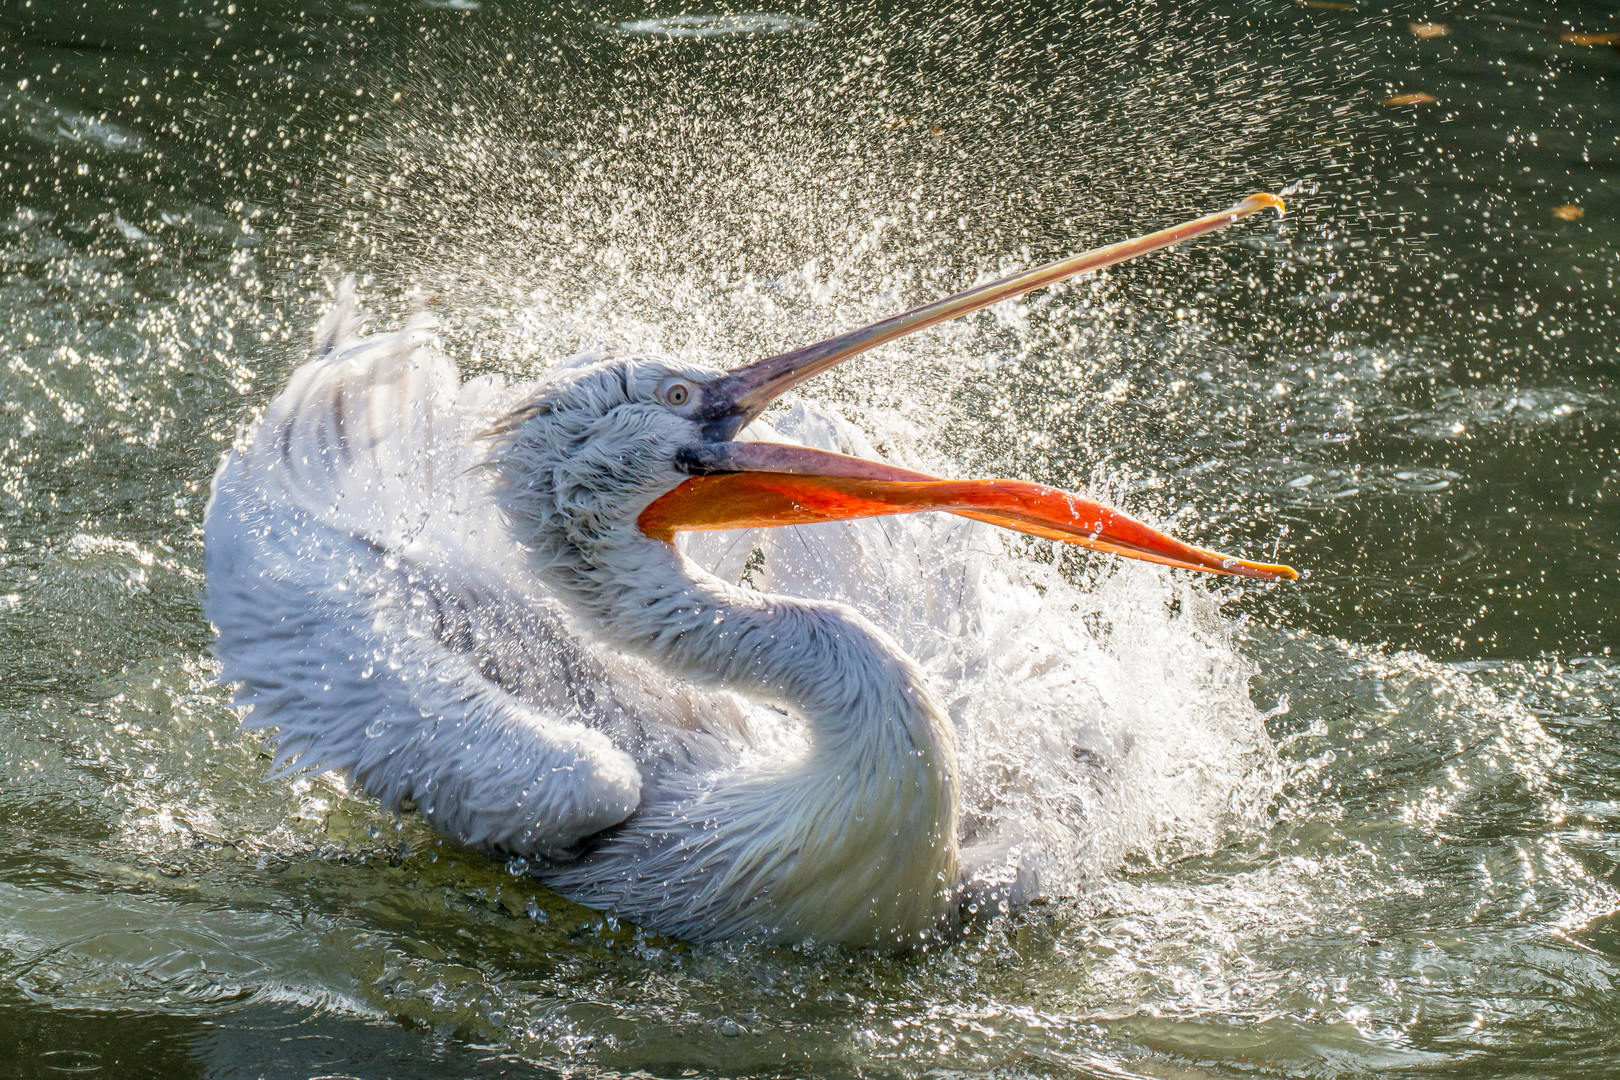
pixel 1568 212
pixel 1591 39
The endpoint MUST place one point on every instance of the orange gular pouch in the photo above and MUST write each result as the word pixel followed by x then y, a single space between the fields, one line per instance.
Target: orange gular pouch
pixel 743 500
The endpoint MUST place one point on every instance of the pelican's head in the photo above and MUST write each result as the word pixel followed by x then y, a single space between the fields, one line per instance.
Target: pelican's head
pixel 598 442
pixel 615 456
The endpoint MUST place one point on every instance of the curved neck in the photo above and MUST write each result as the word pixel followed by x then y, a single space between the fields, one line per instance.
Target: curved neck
pixel 855 842
pixel 854 687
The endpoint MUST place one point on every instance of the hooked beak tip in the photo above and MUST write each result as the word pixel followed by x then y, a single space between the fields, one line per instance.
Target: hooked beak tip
pixel 1261 200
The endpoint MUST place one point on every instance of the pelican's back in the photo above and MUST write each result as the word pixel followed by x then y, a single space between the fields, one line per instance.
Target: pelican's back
pixel 372 610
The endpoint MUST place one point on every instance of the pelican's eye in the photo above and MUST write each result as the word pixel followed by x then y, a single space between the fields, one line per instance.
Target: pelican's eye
pixel 675 392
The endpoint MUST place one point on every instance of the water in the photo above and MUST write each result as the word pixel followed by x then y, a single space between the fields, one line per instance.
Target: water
pixel 1411 388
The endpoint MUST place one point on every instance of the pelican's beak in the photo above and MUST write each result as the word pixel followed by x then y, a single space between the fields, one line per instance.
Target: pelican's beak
pixel 753 484
pixel 729 403
pixel 743 485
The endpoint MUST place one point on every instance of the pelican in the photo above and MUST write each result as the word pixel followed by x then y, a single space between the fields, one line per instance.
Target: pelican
pixel 469 597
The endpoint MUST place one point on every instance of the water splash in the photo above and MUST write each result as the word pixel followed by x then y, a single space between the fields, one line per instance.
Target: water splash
pixel 1096 722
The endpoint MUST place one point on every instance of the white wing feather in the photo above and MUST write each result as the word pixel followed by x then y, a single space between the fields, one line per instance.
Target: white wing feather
pixel 372 610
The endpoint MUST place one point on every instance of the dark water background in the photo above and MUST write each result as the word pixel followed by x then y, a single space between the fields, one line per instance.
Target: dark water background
pixel 1410 387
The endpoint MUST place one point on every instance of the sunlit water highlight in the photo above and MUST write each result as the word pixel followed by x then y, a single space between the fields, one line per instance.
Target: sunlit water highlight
pixel 1373 818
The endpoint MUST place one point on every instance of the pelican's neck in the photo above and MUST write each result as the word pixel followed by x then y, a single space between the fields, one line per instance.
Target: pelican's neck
pixel 869 815
pixel 848 679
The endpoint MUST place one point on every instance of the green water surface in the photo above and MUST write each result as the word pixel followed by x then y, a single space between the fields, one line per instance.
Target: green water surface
pixel 1410 387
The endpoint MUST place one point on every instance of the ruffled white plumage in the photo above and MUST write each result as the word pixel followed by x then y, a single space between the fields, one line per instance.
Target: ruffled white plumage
pixel 372 613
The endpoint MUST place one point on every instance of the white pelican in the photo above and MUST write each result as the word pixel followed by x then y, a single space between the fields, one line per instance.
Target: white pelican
pixel 463 595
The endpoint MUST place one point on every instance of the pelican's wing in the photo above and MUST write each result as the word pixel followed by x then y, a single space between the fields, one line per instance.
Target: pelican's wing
pixel 370 607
